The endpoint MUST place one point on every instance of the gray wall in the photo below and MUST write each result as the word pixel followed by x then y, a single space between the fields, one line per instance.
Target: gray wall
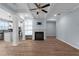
pixel 51 28
pixel 67 29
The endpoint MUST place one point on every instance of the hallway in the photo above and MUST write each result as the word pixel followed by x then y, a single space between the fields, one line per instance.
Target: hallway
pixel 49 47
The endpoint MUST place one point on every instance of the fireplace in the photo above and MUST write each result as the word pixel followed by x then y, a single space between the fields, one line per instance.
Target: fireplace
pixel 39 35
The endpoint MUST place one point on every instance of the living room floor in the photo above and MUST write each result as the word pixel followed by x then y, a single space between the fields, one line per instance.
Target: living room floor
pixel 49 47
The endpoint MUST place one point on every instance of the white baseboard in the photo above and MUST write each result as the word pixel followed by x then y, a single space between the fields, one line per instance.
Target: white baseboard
pixel 74 46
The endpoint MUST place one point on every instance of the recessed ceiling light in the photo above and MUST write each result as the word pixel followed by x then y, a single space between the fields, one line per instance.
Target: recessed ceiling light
pixel 22 17
pixel 26 15
pixel 55 15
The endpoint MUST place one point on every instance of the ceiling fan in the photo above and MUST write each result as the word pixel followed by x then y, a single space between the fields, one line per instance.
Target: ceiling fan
pixel 40 8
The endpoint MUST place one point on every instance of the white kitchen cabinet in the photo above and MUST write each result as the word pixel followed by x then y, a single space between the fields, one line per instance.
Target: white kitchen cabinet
pixel 8 36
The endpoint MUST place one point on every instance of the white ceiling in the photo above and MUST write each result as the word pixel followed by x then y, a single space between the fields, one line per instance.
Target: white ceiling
pixel 54 9
pixel 61 8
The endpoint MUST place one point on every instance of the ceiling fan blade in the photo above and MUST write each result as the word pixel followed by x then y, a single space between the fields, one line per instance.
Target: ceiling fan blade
pixel 45 11
pixel 36 5
pixel 45 5
pixel 33 9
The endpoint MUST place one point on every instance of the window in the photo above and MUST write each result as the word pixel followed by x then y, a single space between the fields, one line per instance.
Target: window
pixel 4 25
pixel 28 27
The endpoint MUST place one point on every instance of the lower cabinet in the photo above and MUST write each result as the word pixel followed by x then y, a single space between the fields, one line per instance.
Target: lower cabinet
pixel 8 36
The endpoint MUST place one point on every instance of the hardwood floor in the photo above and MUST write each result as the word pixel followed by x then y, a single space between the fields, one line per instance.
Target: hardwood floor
pixel 49 47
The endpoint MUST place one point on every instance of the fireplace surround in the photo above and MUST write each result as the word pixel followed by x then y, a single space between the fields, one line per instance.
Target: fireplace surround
pixel 39 29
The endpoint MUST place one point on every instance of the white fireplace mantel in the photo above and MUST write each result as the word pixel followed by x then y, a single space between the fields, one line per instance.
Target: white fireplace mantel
pixel 39 28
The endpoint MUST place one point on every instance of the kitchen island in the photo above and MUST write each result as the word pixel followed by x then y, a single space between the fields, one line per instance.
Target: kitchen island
pixel 6 35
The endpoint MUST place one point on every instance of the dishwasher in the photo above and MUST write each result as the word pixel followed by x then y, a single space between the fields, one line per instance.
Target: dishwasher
pixel 1 35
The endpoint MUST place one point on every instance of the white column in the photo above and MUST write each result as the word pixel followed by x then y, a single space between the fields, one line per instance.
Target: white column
pixel 33 29
pixel 15 31
pixel 23 31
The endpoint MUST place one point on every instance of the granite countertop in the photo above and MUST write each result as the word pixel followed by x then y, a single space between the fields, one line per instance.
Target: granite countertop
pixel 2 31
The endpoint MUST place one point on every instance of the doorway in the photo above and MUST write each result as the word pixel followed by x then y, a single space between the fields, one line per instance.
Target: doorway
pixel 51 28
